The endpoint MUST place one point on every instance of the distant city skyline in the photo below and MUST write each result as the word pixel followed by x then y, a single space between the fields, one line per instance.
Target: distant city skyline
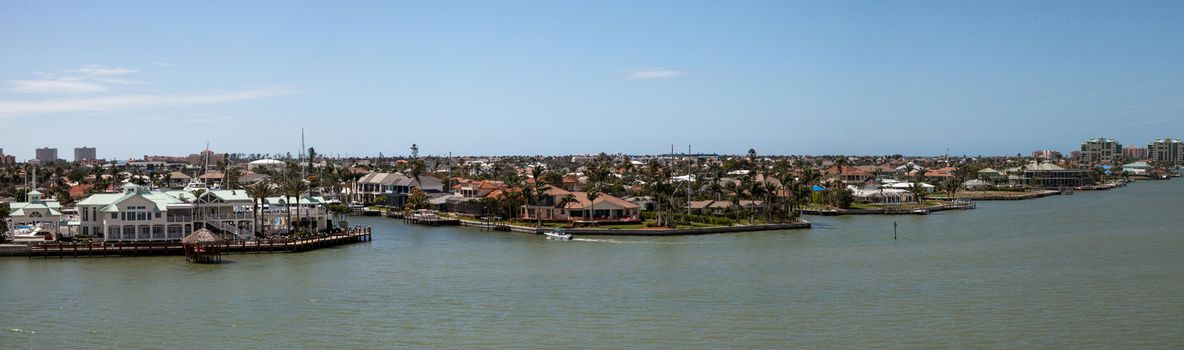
pixel 523 78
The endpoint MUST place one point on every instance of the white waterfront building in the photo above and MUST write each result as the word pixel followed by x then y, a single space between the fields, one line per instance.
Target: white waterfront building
pixel 138 213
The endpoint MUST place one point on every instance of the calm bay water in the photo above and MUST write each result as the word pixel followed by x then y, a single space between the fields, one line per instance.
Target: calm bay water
pixel 1094 270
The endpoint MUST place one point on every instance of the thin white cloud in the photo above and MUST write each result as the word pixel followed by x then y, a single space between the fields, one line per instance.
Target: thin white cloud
pixel 89 79
pixel 122 102
pixel 96 71
pixel 655 74
pixel 55 86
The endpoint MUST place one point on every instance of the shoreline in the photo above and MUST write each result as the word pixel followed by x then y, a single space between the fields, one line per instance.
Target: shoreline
pixel 801 224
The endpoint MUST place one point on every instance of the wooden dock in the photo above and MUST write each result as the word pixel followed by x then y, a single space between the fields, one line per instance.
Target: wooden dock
pixel 257 246
pixel 432 221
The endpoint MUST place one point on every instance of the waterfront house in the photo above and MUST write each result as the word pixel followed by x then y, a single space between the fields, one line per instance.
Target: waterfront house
pixel 847 174
pixel 1137 168
pixel 881 195
pixel 1048 175
pixel 138 213
pixel 401 189
pixel 375 184
pixel 552 207
pixel 977 185
pixel 715 207
pixel 606 208
pixel 992 176
pixel 135 214
pixel 940 175
pixel 548 206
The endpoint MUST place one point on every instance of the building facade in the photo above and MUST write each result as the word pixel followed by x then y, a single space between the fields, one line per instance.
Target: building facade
pixel 1166 150
pixel 138 213
pixel 1132 152
pixel 1100 150
pixel 47 155
pixel 1046 154
pixel 82 154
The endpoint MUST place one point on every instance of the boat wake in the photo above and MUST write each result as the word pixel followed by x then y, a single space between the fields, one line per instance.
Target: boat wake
pixel 619 241
pixel 25 331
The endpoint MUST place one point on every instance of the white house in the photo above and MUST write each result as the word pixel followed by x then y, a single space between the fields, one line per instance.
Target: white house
pixel 135 214
pixel 138 213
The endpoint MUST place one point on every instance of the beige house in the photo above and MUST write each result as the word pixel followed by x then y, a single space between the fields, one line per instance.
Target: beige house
pixel 606 207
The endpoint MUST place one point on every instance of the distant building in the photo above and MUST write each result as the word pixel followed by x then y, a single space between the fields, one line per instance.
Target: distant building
pixel 47 155
pixel 1046 154
pixel 1100 150
pixel 271 164
pixel 1132 152
pixel 84 153
pixel 1166 150
pixel 7 159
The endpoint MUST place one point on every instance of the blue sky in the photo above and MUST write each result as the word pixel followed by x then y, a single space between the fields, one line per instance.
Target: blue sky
pixel 560 77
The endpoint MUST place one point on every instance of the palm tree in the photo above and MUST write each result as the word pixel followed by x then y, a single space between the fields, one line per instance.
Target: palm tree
pixel 538 193
pixel 259 193
pixel 568 199
pixel 592 196
pixel 918 190
pixel 951 187
pixel 230 177
pixel 292 187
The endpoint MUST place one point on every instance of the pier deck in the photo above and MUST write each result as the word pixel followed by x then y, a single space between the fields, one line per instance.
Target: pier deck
pixel 258 246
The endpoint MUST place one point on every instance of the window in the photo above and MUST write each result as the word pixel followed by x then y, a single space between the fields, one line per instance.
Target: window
pixel 114 216
pixel 85 229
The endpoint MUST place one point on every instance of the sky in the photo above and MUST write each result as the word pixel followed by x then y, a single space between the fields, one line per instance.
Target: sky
pixel 135 78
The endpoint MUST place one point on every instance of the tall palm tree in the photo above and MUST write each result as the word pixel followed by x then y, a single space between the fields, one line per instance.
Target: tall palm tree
pixel 538 192
pixel 259 193
pixel 592 196
pixel 291 187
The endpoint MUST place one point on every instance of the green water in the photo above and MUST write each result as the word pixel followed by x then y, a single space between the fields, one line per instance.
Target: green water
pixel 1091 270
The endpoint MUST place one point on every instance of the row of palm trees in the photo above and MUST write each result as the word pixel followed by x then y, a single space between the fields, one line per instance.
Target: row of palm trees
pixel 289 187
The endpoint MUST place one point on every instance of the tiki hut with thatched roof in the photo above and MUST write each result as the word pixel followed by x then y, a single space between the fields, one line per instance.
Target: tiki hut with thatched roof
pixel 203 246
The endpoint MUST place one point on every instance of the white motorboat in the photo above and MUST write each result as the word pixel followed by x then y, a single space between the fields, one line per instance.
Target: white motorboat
pixel 558 235
pixel 34 232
